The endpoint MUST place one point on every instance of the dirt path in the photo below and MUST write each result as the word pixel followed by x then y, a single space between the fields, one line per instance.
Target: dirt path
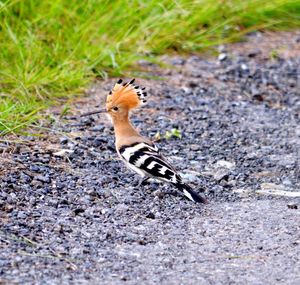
pixel 70 213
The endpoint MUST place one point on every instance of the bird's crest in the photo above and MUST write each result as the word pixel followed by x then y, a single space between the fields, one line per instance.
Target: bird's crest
pixel 126 94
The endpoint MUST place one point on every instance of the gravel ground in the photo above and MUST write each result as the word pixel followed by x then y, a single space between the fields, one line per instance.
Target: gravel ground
pixel 70 212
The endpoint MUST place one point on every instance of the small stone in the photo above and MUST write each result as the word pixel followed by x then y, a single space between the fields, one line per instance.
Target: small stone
pixel 159 194
pixel 194 147
pixel 63 140
pixel 78 211
pixel 21 215
pixel 222 56
pixel 105 211
pixel 225 164
pixel 59 185
pixel 292 206
pixel 43 178
pixel 63 152
pixel 187 90
pixel 221 173
pixel 287 182
pixel 244 67
pixel 150 215
pixel 35 168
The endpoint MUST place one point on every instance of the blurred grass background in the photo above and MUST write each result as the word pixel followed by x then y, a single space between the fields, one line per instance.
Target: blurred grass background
pixel 53 49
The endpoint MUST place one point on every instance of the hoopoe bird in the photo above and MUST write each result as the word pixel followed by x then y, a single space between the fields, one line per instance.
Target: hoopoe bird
pixel 139 153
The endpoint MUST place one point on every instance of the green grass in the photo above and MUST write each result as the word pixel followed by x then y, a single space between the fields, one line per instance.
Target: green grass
pixel 53 49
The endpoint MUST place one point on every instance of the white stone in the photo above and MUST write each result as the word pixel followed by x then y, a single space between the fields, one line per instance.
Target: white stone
pixel 225 164
pixel 63 152
pixel 222 56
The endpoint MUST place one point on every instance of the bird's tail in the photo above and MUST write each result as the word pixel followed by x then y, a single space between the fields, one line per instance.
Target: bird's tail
pixel 191 194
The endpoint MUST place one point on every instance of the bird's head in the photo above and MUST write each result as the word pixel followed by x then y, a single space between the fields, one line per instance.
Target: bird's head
pixel 121 99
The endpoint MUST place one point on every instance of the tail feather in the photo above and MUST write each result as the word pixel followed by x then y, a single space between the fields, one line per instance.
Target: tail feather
pixel 191 194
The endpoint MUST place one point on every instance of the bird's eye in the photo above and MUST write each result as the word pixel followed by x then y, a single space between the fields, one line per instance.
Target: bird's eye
pixel 115 108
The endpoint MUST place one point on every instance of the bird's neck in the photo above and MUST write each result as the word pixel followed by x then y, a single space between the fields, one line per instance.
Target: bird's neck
pixel 124 128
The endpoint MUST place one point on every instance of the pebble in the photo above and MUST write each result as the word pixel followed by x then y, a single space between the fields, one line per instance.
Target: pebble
pixel 221 173
pixel 63 140
pixel 225 164
pixel 244 67
pixel 292 206
pixel 222 56
pixel 63 152
pixel 43 178
pixel 21 215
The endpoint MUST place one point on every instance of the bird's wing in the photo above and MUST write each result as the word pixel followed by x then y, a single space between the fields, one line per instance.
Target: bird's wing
pixel 147 158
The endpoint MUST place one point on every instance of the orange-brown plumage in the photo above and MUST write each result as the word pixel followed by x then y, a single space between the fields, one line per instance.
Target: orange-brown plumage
pixel 125 95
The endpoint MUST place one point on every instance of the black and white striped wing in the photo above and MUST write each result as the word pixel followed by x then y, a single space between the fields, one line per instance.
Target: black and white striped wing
pixel 146 160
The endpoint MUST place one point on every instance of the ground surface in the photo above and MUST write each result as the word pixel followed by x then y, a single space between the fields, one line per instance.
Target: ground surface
pixel 70 213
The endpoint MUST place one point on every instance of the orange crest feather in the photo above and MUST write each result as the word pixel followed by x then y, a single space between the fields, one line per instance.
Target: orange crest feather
pixel 127 95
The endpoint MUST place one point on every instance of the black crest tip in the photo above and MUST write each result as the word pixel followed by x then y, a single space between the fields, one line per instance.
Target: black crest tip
pixel 120 81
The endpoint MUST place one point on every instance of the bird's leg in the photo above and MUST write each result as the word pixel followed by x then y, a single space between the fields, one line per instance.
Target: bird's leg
pixel 142 180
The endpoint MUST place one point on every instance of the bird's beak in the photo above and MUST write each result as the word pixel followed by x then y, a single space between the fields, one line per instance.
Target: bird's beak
pixel 93 113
